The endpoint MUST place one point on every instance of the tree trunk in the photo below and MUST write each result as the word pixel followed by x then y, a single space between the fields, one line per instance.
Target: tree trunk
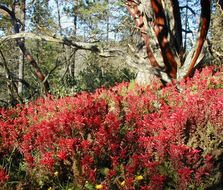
pixel 159 22
pixel 216 43
pixel 73 60
pixel 15 14
pixel 107 21
pixel 59 16
pixel 21 56
pixel 21 73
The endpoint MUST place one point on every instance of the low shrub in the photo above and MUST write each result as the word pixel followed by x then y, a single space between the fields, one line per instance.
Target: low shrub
pixel 125 137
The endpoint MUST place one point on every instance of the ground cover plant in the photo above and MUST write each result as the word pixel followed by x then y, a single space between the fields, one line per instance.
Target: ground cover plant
pixel 126 137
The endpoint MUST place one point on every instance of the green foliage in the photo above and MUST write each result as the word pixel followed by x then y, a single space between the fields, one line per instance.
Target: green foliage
pixel 38 21
pixel 46 55
pixel 94 76
pixel 97 73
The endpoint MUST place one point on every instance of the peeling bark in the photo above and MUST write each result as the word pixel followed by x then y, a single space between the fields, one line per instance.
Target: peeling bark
pixel 161 31
pixel 160 25
pixel 139 19
pixel 168 31
pixel 203 30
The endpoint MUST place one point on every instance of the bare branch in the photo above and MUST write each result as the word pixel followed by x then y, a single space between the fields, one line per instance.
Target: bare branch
pixel 20 42
pixel 6 9
pixel 93 47
pixel 187 31
pixel 52 70
pixel 220 4
pixel 189 8
pixel 61 40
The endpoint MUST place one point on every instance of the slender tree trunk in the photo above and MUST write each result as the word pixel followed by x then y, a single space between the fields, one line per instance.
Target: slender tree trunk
pixel 107 22
pixel 21 72
pixel 73 60
pixel 59 16
pixel 12 88
pixel 186 26
pixel 21 56
pixel 16 23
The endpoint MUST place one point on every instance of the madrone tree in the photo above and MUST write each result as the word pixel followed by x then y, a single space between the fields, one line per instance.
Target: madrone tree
pixel 16 14
pixel 159 22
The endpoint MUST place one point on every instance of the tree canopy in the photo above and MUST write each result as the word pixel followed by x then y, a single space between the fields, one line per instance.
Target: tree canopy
pixel 153 38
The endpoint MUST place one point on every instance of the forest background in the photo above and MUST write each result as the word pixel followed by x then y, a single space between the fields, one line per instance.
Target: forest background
pixel 106 25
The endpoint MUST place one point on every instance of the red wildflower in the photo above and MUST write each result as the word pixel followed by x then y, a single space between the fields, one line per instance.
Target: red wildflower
pixel 3 176
pixel 85 144
pixel 48 160
pixel 157 181
pixel 184 177
pixel 62 155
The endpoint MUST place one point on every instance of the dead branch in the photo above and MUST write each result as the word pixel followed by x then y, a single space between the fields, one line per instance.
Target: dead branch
pixel 61 40
pixel 93 47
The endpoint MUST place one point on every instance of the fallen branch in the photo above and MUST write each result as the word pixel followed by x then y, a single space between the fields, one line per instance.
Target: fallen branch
pixel 61 40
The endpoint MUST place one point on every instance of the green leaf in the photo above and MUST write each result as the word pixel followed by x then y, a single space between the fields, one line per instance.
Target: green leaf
pixel 89 186
pixel 131 85
pixel 104 171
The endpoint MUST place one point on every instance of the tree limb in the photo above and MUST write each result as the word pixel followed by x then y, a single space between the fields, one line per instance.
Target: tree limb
pixel 161 31
pixel 52 70
pixel 189 8
pixel 187 31
pixel 16 24
pixel 13 90
pixel 61 40
pixel 93 47
pixel 220 4
pixel 6 9
pixel 203 30
pixel 138 17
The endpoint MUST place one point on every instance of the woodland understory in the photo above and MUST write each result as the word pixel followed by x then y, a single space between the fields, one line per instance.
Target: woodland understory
pixel 111 95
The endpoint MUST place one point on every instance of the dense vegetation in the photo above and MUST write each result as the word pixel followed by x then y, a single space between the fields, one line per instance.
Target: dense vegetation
pixel 125 137
pixel 62 47
pixel 111 95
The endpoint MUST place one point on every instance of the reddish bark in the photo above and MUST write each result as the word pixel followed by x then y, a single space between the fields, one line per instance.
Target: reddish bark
pixel 138 17
pixel 161 31
pixel 204 26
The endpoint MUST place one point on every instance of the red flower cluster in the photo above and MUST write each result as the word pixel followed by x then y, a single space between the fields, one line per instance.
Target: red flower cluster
pixel 114 135
pixel 3 176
